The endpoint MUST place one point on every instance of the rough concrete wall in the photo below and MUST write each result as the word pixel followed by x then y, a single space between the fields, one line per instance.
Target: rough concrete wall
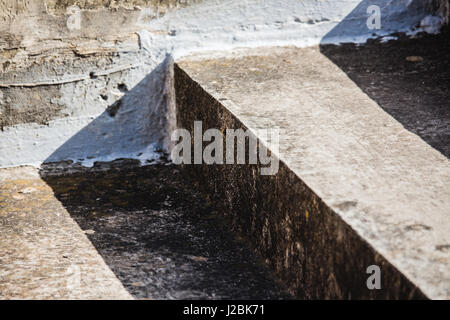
pixel 84 79
pixel 9 9
pixel 77 93
pixel 401 16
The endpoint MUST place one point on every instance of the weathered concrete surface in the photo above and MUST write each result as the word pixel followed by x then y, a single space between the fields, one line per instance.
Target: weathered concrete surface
pixel 409 79
pixel 401 16
pixel 43 252
pixel 49 96
pixel 120 231
pixel 33 20
pixel 76 93
pixel 362 189
pixel 158 234
pixel 58 6
pixel 67 63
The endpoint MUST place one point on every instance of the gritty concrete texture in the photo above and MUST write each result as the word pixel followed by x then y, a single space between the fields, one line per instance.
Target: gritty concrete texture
pixel 43 253
pixel 72 119
pixel 408 78
pixel 53 89
pixel 65 64
pixel 131 232
pixel 12 8
pixel 362 189
pixel 60 6
pixel 220 25
pixel 90 81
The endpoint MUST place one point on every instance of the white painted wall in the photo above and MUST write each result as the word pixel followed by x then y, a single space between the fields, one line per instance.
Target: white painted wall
pixel 88 134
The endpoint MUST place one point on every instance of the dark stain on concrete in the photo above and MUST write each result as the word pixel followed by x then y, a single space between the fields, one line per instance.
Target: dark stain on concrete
pixel 418 227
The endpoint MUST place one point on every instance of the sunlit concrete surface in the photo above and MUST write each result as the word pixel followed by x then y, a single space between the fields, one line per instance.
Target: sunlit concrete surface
pixel 84 80
pixel 387 184
pixel 43 252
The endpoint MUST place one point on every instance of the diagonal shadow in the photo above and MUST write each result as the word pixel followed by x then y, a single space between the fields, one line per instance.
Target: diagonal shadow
pixel 158 234
pixel 132 125
pixel 153 230
pixel 409 78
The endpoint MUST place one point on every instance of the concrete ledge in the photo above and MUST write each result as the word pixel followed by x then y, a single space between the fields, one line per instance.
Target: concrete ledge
pixel 44 253
pixel 354 187
pixel 64 65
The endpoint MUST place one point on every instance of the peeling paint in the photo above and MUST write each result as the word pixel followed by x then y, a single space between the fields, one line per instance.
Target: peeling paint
pixel 60 6
pixel 71 67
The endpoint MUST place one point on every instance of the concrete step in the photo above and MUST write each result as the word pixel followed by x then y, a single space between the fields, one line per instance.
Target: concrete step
pixel 83 80
pixel 120 231
pixel 355 187
pixel 363 180
pixel 365 145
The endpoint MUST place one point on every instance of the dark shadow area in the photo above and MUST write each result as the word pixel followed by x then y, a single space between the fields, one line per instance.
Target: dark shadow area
pixel 157 234
pixel 409 78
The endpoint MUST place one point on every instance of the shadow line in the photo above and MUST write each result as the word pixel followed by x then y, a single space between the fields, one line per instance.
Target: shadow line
pixel 157 234
pixel 409 78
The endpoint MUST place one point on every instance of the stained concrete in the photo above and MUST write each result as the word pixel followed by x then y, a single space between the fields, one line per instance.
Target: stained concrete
pixel 101 92
pixel 60 80
pixel 362 189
